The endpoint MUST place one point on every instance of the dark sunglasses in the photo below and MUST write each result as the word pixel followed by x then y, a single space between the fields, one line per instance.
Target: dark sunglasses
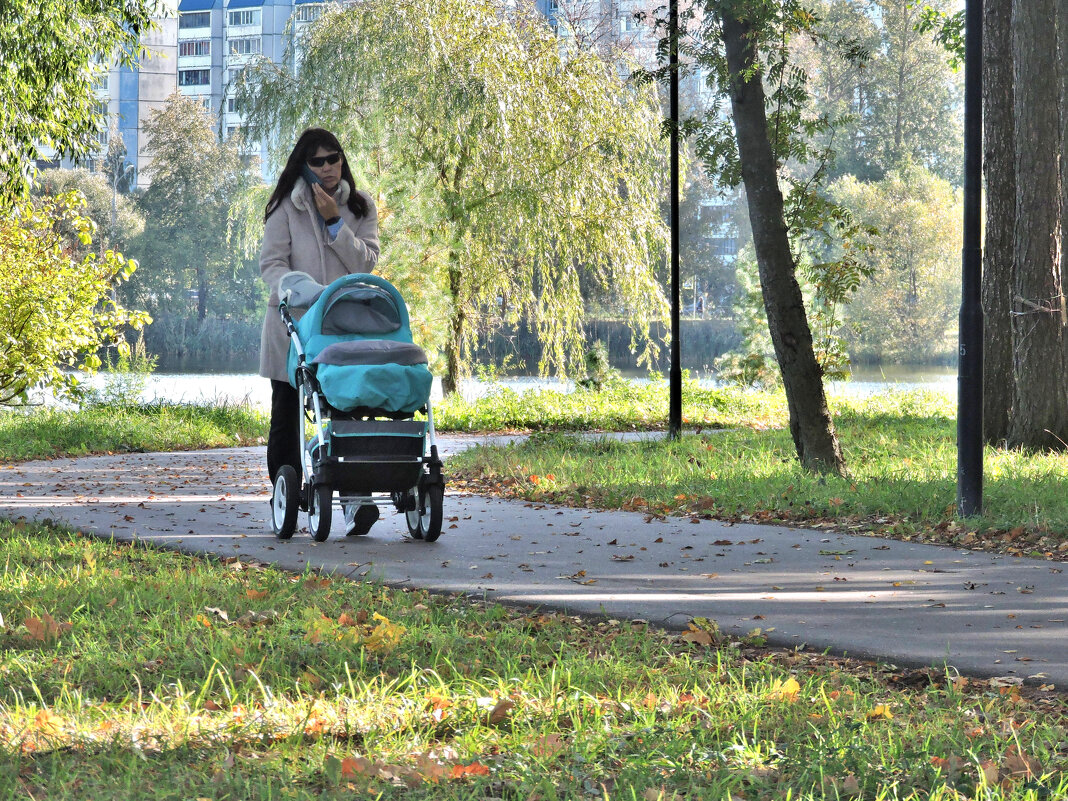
pixel 319 161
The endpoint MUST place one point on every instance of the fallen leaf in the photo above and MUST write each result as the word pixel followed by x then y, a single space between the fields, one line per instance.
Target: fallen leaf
pixel 548 745
pixel 500 711
pixel 219 613
pixel 430 767
pixel 663 794
pixel 252 618
pixel 950 765
pixel 698 636
pixel 48 723
pixel 45 627
pixel 385 635
pixel 989 770
pixel 463 771
pixel 784 690
pixel 439 707
pixel 845 786
pixel 1018 765
pixel 881 712
pixel 352 766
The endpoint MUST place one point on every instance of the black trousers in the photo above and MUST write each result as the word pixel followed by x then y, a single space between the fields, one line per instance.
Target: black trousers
pixel 283 440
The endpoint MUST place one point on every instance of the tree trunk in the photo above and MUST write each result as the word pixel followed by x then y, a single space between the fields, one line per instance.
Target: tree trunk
pixel 810 419
pixel 450 382
pixel 1062 70
pixel 202 293
pixel 1040 402
pixel 1000 168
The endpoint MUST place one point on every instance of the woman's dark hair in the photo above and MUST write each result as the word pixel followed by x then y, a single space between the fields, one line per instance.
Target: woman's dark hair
pixel 309 142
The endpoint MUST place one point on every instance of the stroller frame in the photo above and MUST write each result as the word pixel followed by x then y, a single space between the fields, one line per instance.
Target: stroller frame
pixel 358 455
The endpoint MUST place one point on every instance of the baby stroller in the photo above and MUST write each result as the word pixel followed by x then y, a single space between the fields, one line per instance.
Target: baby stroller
pixel 360 381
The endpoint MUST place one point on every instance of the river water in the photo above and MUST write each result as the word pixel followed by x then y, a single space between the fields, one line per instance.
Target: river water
pixel 239 387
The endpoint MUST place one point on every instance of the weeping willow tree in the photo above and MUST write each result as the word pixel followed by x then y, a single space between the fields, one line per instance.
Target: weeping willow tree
pixel 509 166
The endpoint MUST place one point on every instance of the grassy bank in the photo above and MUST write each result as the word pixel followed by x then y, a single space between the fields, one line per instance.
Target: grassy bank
pixel 49 433
pixel 624 406
pixel 620 406
pixel 901 454
pixel 130 673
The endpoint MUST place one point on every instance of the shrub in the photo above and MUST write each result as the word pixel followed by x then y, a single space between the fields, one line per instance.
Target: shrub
pixel 56 309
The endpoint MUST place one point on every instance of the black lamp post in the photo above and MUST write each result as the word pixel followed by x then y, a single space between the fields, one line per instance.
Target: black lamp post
pixel 675 374
pixel 970 356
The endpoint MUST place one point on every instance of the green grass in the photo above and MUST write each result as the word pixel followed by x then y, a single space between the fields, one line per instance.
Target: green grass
pixel 49 433
pixel 901 455
pixel 620 406
pixel 132 673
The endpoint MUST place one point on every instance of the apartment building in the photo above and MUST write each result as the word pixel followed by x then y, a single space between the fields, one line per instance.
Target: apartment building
pixel 218 38
pixel 197 47
pixel 128 95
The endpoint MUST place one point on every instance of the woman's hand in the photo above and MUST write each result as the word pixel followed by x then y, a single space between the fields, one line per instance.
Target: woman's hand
pixel 324 202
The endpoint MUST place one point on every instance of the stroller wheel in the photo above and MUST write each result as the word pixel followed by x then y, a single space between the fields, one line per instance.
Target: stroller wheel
pixel 319 509
pixel 285 502
pixel 413 515
pixel 435 499
pixel 424 521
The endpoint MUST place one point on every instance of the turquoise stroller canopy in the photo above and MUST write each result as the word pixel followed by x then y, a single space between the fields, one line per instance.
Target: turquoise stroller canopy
pixel 358 340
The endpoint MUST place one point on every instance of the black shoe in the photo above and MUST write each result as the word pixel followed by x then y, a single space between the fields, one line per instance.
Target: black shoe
pixel 365 517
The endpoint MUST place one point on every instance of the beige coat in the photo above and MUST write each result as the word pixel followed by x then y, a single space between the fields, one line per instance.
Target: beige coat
pixel 294 238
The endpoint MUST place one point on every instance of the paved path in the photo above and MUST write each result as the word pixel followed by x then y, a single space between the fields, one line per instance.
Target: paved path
pixel 909 604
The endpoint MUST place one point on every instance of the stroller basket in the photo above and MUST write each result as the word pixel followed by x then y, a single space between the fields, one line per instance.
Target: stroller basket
pixel 371 455
pixel 375 441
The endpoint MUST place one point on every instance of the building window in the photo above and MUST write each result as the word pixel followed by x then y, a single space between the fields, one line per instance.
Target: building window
pixel 194 19
pixel 724 247
pixel 233 105
pixel 232 131
pixel 194 77
pixel 233 75
pixel 104 131
pixel 246 45
pixel 308 13
pixel 554 6
pixel 715 216
pixel 195 47
pixel 248 16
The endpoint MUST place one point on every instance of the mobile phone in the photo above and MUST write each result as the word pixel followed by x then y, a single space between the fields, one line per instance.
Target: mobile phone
pixel 310 176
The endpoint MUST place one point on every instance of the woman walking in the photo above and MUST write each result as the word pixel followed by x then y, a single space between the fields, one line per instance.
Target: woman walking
pixel 315 222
